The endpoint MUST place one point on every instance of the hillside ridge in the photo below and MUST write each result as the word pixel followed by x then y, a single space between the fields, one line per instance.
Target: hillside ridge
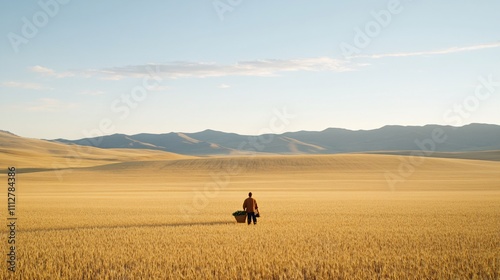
pixel 390 138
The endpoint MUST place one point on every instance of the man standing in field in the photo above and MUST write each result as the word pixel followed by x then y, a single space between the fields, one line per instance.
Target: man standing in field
pixel 250 206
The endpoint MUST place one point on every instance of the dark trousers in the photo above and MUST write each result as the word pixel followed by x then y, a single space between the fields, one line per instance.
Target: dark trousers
pixel 251 216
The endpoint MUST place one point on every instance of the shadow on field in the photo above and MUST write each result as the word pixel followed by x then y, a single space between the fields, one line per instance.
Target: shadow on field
pixel 128 226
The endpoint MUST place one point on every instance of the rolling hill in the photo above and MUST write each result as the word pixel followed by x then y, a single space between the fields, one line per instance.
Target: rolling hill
pixel 140 169
pixel 340 172
pixel 469 138
pixel 38 154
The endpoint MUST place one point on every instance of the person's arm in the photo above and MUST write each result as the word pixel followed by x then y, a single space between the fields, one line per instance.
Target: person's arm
pixel 256 207
pixel 244 206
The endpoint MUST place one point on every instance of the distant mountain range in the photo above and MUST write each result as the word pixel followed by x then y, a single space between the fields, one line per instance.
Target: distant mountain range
pixel 473 137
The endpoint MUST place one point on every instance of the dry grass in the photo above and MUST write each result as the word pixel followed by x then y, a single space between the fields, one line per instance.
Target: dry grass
pixel 324 217
pixel 322 235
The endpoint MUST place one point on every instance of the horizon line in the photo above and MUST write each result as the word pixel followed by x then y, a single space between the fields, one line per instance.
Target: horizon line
pixel 252 135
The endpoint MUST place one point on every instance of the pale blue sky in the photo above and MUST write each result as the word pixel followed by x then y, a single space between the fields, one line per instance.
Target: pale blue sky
pixel 231 69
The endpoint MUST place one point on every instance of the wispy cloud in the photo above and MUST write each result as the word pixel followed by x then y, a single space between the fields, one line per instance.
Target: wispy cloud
pixel 434 52
pixel 268 67
pixel 223 86
pixel 184 69
pixel 50 105
pixel 23 85
pixel 50 72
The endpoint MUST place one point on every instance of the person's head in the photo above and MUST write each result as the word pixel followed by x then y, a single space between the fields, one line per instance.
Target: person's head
pixel 250 194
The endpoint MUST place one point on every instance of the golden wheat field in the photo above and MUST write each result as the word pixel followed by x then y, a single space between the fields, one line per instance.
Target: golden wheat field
pixel 159 216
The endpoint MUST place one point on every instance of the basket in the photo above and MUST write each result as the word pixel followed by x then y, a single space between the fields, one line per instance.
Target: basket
pixel 241 218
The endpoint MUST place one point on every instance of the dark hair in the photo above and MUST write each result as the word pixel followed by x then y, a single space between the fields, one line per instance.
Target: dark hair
pixel 250 194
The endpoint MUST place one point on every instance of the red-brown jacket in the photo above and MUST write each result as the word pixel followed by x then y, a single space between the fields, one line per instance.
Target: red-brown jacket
pixel 250 205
